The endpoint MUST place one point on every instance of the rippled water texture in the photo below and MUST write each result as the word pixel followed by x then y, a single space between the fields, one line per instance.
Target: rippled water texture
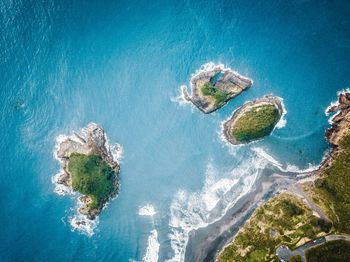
pixel 120 64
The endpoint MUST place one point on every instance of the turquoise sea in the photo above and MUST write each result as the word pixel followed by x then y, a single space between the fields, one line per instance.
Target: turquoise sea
pixel 120 64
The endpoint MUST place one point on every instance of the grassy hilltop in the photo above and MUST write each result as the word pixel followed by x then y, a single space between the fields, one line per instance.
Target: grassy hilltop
pixel 256 123
pixel 91 176
pixel 284 219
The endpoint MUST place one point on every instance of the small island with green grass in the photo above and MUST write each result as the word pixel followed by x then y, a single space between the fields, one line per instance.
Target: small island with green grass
pixel 89 168
pixel 214 86
pixel 254 120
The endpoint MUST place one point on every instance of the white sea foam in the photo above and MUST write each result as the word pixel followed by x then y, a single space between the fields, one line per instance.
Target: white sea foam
pixel 288 167
pixel 147 210
pixel 343 91
pixel 152 250
pixel 192 210
pixel 334 103
pixel 211 66
pixel 181 98
pixel 81 223
pixel 117 152
pixel 60 189
pixel 330 120
pixel 282 122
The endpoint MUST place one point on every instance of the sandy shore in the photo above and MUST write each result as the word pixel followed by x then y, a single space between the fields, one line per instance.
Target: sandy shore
pixel 205 243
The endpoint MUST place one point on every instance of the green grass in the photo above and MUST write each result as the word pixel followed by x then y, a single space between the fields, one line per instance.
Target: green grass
pixel 295 259
pixel 91 176
pixel 333 251
pixel 285 215
pixel 256 123
pixel 219 96
pixel 334 187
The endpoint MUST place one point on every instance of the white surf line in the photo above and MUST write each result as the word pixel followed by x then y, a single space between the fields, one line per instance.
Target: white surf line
pixel 192 210
pixel 152 250
pixel 289 167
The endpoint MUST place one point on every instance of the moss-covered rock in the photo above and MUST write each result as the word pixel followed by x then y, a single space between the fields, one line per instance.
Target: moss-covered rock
pixel 254 120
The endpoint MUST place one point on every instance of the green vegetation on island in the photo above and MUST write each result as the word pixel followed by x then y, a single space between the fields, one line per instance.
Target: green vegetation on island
pixel 91 176
pixel 254 120
pixel 295 259
pixel 283 220
pixel 219 96
pixel 335 251
pixel 256 123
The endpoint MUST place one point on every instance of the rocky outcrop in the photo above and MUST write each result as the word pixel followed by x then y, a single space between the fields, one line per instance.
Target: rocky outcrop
pixel 91 141
pixel 230 124
pixel 226 81
pixel 340 127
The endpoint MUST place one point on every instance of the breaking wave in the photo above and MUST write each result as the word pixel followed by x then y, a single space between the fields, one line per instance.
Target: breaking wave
pixel 282 122
pixel 283 168
pixel 147 210
pixel 192 210
pixel 152 250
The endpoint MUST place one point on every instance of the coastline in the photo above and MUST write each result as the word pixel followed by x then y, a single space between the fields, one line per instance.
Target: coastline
pixel 217 235
pixel 334 134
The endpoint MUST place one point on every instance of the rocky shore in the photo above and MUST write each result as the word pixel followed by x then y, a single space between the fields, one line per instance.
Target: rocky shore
pixel 229 125
pixel 340 127
pixel 213 87
pixel 92 140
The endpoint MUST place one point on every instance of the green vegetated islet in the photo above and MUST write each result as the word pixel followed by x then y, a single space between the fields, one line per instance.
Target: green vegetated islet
pixel 219 96
pixel 256 123
pixel 91 176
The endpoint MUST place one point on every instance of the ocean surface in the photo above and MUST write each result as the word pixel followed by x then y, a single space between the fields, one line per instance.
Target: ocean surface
pixel 120 64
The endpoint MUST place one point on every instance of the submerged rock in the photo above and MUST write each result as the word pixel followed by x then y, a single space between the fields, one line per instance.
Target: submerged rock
pixel 214 86
pixel 94 172
pixel 254 120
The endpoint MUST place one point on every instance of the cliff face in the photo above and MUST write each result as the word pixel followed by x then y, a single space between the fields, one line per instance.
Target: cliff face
pixel 340 127
pixel 224 84
pixel 91 141
pixel 341 120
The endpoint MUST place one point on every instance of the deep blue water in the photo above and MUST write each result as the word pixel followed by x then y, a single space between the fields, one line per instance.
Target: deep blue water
pixel 120 64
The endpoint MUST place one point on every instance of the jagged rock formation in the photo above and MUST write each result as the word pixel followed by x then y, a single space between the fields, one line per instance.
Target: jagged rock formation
pixel 213 88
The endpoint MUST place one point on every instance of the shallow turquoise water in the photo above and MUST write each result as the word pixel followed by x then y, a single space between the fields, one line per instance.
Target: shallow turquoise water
pixel 120 64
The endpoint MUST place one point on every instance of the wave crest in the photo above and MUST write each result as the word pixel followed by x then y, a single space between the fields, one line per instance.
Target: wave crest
pixel 192 210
